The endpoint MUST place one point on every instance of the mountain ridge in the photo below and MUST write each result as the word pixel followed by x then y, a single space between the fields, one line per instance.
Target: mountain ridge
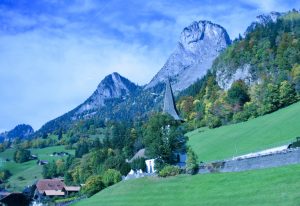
pixel 117 98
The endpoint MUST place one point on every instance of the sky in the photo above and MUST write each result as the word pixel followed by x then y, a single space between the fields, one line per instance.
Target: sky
pixel 54 53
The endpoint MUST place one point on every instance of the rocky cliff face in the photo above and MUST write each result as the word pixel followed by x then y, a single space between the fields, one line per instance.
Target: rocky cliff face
pixel 246 72
pixel 199 44
pixel 113 86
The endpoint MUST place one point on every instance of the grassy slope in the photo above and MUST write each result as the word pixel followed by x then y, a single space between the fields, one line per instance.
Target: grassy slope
pixel 28 170
pixel 276 186
pixel 267 131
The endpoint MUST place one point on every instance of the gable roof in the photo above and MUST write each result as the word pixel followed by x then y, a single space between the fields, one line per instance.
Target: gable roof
pixel 49 184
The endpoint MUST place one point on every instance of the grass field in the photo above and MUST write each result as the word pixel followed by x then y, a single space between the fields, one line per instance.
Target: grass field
pixel 29 171
pixel 268 187
pixel 264 132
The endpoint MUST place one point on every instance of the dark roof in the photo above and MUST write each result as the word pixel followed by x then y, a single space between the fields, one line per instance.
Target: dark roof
pixel 49 184
pixel 15 199
pixel 169 103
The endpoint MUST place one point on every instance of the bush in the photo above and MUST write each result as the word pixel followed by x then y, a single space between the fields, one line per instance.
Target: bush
pixel 93 185
pixel 4 175
pixel 117 163
pixel 191 162
pixel 21 155
pixel 213 122
pixel 169 170
pixel 111 177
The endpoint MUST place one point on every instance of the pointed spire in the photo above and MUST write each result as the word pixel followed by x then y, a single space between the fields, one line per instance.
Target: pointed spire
pixel 169 103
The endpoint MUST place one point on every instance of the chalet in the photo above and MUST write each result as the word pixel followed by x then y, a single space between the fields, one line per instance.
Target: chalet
pixel 33 157
pixel 47 188
pixel 61 154
pixel 42 162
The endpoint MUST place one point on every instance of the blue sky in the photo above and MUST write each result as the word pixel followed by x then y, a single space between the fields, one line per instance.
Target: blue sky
pixel 53 53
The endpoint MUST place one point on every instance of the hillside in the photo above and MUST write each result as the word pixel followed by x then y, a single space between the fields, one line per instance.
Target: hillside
pixel 243 188
pixel 26 173
pixel 271 130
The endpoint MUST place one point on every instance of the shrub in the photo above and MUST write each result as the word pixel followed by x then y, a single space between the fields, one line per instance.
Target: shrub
pixel 4 175
pixel 21 155
pixel 213 122
pixel 93 185
pixel 111 177
pixel 169 170
pixel 21 178
pixel 191 162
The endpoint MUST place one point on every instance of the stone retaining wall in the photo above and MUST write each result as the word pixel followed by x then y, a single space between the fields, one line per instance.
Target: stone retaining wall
pixel 286 157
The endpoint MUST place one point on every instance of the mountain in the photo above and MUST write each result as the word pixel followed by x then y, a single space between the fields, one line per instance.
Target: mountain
pixel 111 91
pixel 113 86
pixel 256 75
pixel 263 19
pixel 200 43
pixel 270 49
pixel 116 98
pixel 20 131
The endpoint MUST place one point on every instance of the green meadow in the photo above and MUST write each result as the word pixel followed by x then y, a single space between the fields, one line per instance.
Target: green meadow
pixel 268 187
pixel 26 173
pixel 271 130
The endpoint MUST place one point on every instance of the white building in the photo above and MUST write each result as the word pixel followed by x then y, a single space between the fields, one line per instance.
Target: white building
pixel 150 166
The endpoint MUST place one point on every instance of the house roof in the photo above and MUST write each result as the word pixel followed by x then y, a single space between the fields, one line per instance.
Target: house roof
pixel 139 154
pixel 72 188
pixel 49 184
pixel 15 199
pixel 54 193
pixel 4 194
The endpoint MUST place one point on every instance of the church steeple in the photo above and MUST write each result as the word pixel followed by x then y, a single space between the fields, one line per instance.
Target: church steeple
pixel 169 103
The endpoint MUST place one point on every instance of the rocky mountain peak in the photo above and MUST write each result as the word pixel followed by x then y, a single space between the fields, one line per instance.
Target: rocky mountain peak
pixel 199 32
pixel 199 44
pixel 112 86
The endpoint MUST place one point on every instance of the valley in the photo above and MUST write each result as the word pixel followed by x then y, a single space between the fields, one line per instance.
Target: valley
pixel 214 100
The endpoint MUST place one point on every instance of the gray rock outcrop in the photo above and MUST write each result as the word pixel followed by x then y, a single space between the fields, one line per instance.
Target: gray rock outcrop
pixel 199 44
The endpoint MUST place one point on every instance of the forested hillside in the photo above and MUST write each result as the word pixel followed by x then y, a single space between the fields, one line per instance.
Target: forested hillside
pixel 256 75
